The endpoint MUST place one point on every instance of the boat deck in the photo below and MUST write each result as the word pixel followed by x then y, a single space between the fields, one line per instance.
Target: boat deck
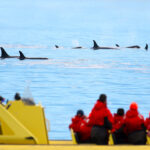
pixel 68 145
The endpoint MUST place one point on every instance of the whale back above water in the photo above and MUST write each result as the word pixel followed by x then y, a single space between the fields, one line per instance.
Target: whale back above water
pixel 146 47
pixel 5 55
pixel 56 46
pixel 117 45
pixel 96 46
pixel 22 57
pixel 134 46
pixel 78 47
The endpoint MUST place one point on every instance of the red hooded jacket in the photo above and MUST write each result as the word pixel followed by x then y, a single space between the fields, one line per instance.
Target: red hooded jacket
pixel 118 122
pixel 98 113
pixel 133 121
pixel 76 122
pixel 147 123
pixel 85 130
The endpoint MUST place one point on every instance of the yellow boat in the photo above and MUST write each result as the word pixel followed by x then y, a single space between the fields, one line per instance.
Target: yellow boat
pixel 68 145
pixel 22 124
pixel 23 127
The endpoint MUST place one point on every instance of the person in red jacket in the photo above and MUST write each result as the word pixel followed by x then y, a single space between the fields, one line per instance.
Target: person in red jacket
pixel 119 136
pixel 147 125
pixel 81 129
pixel 118 117
pixel 76 121
pixel 134 126
pixel 101 120
pixel 85 131
pixel 147 122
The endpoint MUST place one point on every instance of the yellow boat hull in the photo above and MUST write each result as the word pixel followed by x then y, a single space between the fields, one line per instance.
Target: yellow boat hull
pixel 68 145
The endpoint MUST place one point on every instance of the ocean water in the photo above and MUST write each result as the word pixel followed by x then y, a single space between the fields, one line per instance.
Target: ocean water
pixel 72 79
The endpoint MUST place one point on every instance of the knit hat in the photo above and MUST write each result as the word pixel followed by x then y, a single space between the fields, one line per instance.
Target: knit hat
pixel 102 98
pixel 80 112
pixel 120 111
pixel 134 106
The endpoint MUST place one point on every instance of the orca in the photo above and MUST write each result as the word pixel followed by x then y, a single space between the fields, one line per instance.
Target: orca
pixel 96 46
pixel 146 47
pixel 5 55
pixel 56 46
pixel 117 45
pixel 134 46
pixel 22 57
pixel 78 47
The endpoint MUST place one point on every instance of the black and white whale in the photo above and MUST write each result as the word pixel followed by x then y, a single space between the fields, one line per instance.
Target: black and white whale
pixel 56 46
pixel 96 46
pixel 135 46
pixel 5 55
pixel 117 45
pixel 22 57
pixel 78 47
pixel 146 47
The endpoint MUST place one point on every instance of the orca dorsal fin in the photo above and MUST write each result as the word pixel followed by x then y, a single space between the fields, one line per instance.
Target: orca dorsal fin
pixel 146 47
pixel 117 45
pixel 22 57
pixel 95 44
pixel 4 53
pixel 56 46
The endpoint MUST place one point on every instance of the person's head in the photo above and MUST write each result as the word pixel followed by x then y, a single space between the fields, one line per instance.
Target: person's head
pixel 120 111
pixel 133 106
pixel 2 99
pixel 17 96
pixel 80 113
pixel 102 98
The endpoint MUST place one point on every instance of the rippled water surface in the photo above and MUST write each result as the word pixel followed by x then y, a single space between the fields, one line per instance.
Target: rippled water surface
pixel 73 78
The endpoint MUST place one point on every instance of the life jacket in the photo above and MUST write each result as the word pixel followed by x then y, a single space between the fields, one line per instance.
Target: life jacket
pixel 98 113
pixel 133 121
pixel 118 122
pixel 76 122
pixel 147 123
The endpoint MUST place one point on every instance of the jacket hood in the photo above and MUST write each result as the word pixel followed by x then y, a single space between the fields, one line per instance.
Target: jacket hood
pixel 77 119
pixel 132 113
pixel 118 116
pixel 100 105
